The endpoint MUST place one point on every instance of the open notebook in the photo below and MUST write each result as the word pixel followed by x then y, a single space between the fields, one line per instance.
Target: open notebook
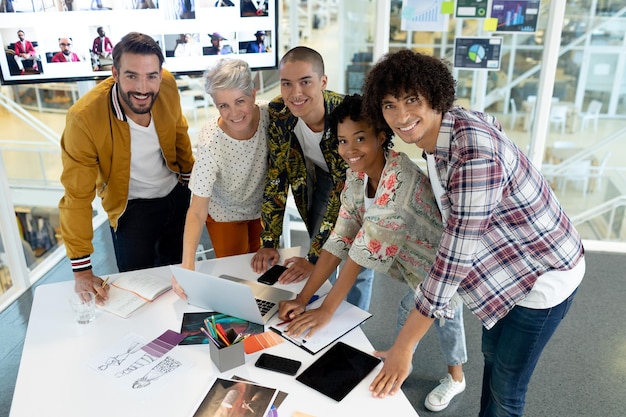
pixel 131 290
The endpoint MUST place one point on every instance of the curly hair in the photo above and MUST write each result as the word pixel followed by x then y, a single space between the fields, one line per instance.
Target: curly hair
pixel 352 107
pixel 405 71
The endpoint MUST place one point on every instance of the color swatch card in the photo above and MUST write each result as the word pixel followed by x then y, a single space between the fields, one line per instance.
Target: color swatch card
pixel 163 344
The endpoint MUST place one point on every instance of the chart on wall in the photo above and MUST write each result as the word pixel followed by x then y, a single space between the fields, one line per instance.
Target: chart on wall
pixel 477 53
pixel 515 15
pixel 73 40
pixel 423 16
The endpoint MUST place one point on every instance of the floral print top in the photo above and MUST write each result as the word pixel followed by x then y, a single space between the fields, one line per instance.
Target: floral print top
pixel 399 233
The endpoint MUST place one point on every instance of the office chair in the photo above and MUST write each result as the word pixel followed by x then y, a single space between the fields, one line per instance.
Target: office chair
pixel 592 114
pixel 558 116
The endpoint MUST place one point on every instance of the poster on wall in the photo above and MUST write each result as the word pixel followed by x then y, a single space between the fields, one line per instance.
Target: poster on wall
pixel 423 16
pixel 515 15
pixel 476 9
pixel 477 53
pixel 72 40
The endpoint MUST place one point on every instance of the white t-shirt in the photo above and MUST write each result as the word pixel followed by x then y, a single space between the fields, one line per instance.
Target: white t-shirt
pixel 149 176
pixel 436 186
pixel 310 144
pixel 231 172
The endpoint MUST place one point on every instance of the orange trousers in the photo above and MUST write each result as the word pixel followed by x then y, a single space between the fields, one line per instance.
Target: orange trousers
pixel 234 238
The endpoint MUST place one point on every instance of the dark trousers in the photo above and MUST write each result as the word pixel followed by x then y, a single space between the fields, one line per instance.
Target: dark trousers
pixel 511 350
pixel 150 232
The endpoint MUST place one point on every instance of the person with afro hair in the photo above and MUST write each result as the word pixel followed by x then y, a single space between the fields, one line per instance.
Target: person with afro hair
pixel 507 249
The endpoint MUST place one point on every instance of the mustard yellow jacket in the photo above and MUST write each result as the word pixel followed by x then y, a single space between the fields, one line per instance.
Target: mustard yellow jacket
pixel 95 150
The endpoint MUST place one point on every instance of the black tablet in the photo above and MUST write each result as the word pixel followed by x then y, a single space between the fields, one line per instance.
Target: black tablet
pixel 338 371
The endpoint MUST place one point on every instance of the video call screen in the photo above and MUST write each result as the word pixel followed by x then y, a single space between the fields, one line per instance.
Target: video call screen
pixel 71 40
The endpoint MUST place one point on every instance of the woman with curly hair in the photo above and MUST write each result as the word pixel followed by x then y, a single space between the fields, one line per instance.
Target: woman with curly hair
pixel 507 248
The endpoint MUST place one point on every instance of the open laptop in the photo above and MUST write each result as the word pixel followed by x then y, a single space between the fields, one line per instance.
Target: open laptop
pixel 235 297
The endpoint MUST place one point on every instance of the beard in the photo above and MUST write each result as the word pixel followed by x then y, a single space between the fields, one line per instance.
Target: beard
pixel 127 98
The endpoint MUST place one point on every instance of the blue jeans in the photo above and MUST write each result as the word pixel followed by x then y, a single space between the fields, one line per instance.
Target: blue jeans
pixel 451 333
pixel 319 189
pixel 150 232
pixel 511 350
pixel 360 294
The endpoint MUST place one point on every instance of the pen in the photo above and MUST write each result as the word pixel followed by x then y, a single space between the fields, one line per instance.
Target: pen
pixel 210 337
pixel 104 284
pixel 222 333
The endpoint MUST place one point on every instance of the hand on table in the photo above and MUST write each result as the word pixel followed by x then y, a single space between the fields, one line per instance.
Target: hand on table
pixel 395 370
pixel 311 320
pixel 178 289
pixel 289 309
pixel 298 269
pixel 86 281
pixel 264 259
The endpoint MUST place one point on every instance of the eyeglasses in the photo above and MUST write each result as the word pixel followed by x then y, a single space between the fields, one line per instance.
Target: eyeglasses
pixel 65 44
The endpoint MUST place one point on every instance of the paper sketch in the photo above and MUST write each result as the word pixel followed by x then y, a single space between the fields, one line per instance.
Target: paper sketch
pixel 118 359
pixel 126 365
pixel 166 366
pixel 144 360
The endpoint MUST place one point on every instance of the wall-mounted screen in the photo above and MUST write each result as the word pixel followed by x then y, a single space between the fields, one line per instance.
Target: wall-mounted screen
pixel 72 40
pixel 477 53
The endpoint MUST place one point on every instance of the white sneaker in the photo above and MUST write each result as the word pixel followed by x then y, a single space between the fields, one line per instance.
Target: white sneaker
pixel 440 397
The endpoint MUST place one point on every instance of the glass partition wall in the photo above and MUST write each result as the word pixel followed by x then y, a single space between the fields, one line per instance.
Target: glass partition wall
pixel 589 89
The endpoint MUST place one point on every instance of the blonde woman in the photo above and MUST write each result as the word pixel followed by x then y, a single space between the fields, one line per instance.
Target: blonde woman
pixel 231 166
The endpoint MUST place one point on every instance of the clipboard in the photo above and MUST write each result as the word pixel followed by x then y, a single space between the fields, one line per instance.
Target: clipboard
pixel 346 318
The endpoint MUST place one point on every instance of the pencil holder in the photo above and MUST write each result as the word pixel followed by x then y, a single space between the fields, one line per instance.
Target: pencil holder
pixel 227 357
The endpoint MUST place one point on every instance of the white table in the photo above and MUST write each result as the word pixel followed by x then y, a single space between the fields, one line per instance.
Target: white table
pixel 55 380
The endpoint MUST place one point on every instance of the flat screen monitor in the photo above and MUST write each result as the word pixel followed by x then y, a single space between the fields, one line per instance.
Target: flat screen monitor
pixel 478 53
pixel 71 40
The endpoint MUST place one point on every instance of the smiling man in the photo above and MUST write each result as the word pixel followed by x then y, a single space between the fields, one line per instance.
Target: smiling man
pixel 507 248
pixel 127 141
pixel 303 154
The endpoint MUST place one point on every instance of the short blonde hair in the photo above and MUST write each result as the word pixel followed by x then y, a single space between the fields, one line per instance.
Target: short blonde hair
pixel 229 74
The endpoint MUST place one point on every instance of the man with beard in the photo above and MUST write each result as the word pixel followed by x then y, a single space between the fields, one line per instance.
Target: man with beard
pixel 127 141
pixel 25 51
pixel 66 54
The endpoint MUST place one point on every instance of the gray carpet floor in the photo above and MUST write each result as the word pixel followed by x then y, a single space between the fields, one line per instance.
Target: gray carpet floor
pixel 582 372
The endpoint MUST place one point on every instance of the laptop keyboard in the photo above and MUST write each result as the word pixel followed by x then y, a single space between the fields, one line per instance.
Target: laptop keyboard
pixel 264 306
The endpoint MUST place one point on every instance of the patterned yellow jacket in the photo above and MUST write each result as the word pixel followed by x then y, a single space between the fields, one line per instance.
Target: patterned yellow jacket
pixel 287 167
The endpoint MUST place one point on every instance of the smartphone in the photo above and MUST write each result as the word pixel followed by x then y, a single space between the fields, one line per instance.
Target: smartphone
pixel 271 275
pixel 278 364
